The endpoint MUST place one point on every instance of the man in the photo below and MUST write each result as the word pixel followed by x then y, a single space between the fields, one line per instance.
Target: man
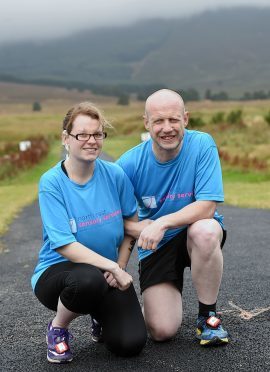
pixel 178 182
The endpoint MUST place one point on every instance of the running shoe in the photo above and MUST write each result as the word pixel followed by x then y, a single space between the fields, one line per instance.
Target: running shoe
pixel 96 331
pixel 58 345
pixel 210 331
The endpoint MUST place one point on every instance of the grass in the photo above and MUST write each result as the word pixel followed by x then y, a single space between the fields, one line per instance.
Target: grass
pixel 234 175
pixel 243 188
pixel 247 189
pixel 116 146
pixel 22 190
pixel 247 195
pixel 16 128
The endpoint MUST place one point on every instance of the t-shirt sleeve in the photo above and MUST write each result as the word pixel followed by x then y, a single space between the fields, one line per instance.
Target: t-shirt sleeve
pixel 126 195
pixel 127 166
pixel 54 215
pixel 208 181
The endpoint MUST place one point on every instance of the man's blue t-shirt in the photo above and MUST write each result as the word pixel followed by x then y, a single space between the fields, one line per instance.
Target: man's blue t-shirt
pixel 91 214
pixel 163 188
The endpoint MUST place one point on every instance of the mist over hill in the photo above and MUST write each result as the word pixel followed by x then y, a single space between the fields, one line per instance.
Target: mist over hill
pixel 223 50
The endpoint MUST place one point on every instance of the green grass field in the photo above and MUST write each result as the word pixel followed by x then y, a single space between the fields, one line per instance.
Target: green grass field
pixel 244 187
pixel 22 190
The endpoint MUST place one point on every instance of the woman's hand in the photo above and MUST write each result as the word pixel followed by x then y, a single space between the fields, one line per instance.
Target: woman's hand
pixel 110 279
pixel 121 278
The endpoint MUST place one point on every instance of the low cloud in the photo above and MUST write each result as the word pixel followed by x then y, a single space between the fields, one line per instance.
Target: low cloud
pixel 37 20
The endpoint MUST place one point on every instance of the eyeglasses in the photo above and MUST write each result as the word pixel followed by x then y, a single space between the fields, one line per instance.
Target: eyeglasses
pixel 86 136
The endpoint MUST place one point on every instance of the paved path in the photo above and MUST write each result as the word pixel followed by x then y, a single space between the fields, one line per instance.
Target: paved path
pixel 243 299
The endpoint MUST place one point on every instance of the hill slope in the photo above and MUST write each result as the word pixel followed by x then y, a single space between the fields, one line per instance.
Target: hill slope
pixel 222 50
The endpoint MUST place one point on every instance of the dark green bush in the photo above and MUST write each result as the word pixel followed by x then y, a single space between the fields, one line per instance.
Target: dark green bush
pixel 218 117
pixel 267 117
pixel 235 117
pixel 123 100
pixel 36 106
pixel 196 122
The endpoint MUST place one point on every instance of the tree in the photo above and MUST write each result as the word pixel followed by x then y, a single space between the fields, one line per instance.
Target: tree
pixel 189 95
pixel 36 106
pixel 123 99
pixel 221 96
pixel 208 94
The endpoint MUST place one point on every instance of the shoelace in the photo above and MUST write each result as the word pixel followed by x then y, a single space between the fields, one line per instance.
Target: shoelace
pixel 64 335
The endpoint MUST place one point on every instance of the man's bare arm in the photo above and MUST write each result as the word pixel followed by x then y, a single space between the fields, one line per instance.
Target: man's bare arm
pixel 153 234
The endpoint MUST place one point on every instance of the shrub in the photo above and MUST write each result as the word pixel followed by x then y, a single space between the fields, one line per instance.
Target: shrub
pixel 36 106
pixel 123 99
pixel 235 117
pixel 12 162
pixel 218 117
pixel 196 122
pixel 267 118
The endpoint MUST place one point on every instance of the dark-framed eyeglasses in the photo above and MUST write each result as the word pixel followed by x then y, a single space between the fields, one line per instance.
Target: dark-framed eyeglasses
pixel 86 136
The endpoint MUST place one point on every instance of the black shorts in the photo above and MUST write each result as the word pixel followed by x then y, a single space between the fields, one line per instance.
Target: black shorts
pixel 168 263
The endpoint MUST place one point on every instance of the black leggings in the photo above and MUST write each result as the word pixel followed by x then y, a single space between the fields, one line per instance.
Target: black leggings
pixel 83 289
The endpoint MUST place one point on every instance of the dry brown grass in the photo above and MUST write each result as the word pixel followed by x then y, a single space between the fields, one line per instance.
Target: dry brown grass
pixel 19 122
pixel 18 99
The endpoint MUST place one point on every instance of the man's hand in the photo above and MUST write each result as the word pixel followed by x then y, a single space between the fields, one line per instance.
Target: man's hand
pixel 151 235
pixel 144 223
pixel 134 228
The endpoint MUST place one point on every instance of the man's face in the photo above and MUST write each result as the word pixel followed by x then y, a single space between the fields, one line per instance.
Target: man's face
pixel 166 124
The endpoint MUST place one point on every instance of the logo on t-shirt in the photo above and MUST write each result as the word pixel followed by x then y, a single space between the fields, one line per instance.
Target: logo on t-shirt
pixel 149 201
pixel 73 225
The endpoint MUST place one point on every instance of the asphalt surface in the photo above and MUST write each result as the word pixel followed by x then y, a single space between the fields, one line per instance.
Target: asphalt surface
pixel 243 301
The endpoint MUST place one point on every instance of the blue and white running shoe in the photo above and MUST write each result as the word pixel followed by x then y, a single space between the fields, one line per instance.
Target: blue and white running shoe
pixel 210 331
pixel 58 345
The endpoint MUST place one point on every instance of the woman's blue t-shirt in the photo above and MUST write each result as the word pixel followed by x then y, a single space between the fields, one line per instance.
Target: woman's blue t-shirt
pixel 91 214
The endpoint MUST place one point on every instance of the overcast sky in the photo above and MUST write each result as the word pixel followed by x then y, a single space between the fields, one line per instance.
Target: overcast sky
pixel 42 19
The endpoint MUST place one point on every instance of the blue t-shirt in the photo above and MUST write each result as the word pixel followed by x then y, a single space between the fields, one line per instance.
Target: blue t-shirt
pixel 91 214
pixel 164 188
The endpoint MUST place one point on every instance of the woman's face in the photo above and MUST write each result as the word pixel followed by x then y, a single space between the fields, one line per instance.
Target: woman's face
pixel 89 149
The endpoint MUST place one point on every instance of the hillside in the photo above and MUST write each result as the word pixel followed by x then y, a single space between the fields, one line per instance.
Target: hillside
pixel 219 50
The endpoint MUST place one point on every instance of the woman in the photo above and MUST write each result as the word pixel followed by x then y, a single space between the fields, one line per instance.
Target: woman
pixel 83 201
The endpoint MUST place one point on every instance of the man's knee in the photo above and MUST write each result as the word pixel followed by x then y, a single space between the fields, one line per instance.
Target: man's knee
pixel 204 237
pixel 162 331
pixel 162 310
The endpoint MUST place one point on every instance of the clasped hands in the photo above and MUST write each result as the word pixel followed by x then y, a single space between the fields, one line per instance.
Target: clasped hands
pixel 118 278
pixel 151 234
